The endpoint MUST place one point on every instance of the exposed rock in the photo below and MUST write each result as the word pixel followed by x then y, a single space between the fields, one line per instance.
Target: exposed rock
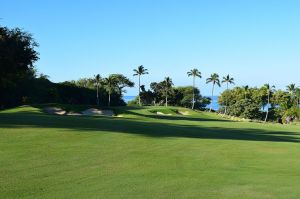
pixel 289 119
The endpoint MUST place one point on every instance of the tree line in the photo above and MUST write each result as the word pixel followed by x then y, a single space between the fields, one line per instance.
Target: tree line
pixel 20 84
pixel 264 103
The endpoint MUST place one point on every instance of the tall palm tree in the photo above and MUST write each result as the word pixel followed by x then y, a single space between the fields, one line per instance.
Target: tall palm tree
pixel 214 79
pixel 269 91
pixel 292 89
pixel 194 73
pixel 228 80
pixel 97 80
pixel 139 72
pixel 110 86
pixel 167 88
pixel 246 89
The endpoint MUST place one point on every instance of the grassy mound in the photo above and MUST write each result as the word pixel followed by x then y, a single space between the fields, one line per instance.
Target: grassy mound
pixel 170 111
pixel 166 111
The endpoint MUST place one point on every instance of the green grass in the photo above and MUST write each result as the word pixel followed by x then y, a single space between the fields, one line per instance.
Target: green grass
pixel 144 155
pixel 165 111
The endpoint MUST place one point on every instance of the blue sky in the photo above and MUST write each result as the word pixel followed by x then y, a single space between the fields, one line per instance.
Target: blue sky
pixel 255 41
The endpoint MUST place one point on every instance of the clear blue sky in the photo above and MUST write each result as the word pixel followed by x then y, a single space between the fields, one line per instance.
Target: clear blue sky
pixel 255 41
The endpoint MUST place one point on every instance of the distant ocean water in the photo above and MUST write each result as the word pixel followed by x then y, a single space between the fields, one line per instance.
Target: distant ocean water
pixel 128 98
pixel 215 105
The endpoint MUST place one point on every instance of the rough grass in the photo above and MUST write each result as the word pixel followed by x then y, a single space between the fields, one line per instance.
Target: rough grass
pixel 143 155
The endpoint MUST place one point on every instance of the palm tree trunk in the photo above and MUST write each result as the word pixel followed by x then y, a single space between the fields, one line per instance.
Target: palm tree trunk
pixel 212 96
pixel 140 90
pixel 97 95
pixel 109 99
pixel 193 105
pixel 226 102
pixel 267 113
pixel 166 100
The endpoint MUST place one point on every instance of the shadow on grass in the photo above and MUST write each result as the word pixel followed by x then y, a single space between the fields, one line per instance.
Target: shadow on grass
pixel 139 127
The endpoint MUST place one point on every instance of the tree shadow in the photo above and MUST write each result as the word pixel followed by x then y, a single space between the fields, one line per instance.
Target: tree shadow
pixel 145 128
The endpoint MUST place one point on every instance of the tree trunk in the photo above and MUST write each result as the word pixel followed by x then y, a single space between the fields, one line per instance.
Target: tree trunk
pixel 267 113
pixel 109 99
pixel 97 95
pixel 140 90
pixel 193 105
pixel 166 100
pixel 226 102
pixel 212 96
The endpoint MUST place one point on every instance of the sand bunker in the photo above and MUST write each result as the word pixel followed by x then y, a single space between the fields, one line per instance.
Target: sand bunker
pixel 89 112
pixel 160 113
pixel 183 113
pixel 74 114
pixel 94 111
pixel 55 111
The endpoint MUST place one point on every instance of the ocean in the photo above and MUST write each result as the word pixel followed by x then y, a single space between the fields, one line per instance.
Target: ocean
pixel 215 105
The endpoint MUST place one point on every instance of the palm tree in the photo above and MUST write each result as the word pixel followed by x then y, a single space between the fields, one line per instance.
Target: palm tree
pixel 97 84
pixel 195 73
pixel 292 89
pixel 214 79
pixel 167 88
pixel 269 90
pixel 246 89
pixel 228 80
pixel 140 71
pixel 110 86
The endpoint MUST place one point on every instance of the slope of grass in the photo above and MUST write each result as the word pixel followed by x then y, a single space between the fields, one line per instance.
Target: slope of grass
pixel 144 155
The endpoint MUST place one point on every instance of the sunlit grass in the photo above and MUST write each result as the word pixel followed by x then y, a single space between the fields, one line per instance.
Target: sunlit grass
pixel 145 155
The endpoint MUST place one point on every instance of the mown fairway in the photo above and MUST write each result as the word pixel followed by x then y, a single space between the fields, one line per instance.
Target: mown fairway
pixel 142 155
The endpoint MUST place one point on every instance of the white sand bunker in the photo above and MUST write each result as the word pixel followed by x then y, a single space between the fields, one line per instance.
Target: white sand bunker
pixel 55 111
pixel 94 111
pixel 160 113
pixel 183 112
pixel 74 114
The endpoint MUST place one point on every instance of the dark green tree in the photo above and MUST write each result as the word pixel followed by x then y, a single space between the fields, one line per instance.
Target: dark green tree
pixel 17 58
pixel 122 82
pixel 110 86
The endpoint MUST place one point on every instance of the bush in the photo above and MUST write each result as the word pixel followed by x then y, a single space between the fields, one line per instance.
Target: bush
pixel 292 114
pixel 245 108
